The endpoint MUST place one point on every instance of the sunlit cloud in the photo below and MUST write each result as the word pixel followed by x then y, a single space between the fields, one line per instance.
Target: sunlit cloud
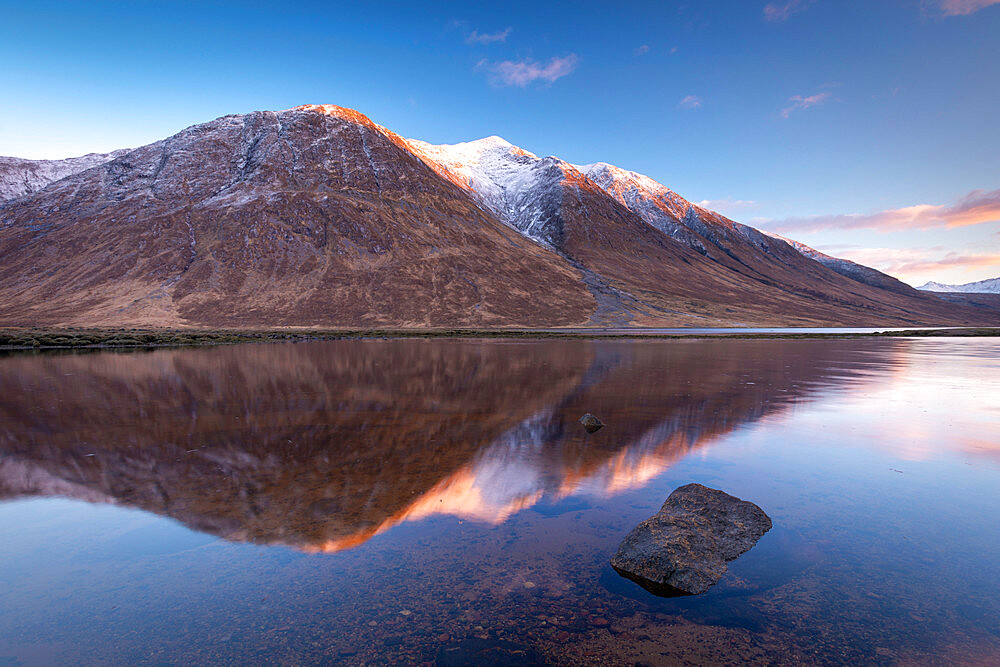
pixel 521 73
pixel 781 11
pixel 690 102
pixel 485 38
pixel 917 265
pixel 642 50
pixel 799 102
pixel 974 208
pixel 963 7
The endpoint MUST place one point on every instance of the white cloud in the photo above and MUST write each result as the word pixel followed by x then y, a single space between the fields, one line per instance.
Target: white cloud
pixel 521 73
pixel 800 102
pixel 691 102
pixel 486 38
pixel 781 11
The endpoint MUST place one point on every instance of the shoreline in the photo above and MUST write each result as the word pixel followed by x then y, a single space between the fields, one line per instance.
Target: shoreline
pixel 38 338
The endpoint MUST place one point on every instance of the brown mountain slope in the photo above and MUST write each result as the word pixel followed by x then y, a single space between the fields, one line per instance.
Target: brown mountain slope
pixel 652 258
pixel 303 217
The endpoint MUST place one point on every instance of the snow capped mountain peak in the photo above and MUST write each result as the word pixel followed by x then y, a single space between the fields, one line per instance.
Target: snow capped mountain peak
pixel 508 181
pixel 658 205
pixel 989 286
pixel 602 172
pixel 467 154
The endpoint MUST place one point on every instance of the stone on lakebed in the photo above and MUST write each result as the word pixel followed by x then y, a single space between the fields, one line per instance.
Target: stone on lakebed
pixel 591 423
pixel 683 549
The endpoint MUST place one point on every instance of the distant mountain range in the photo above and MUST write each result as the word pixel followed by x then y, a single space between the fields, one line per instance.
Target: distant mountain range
pixel 317 216
pixel 19 177
pixel 988 286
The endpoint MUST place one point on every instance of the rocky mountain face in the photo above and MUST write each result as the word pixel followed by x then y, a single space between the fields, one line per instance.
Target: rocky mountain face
pixel 19 177
pixel 316 216
pixel 988 286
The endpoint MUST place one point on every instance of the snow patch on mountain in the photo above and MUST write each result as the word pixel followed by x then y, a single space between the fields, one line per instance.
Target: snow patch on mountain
pixel 19 177
pixel 698 228
pixel 988 286
pixel 513 184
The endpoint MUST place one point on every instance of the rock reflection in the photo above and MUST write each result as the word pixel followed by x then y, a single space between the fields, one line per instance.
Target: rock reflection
pixel 321 446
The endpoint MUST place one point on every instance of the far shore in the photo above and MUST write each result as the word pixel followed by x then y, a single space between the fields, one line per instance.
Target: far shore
pixel 38 338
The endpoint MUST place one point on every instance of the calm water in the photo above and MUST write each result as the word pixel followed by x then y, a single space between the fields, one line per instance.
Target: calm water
pixel 694 331
pixel 436 501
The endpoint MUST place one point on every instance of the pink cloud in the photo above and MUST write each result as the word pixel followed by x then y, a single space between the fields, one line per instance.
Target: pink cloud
pixel 799 102
pixel 521 73
pixel 963 7
pixel 917 265
pixel 780 11
pixel 974 208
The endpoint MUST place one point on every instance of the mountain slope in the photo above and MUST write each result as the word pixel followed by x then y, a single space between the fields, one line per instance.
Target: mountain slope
pixel 311 216
pixel 316 216
pixel 853 270
pixel 988 286
pixel 650 256
pixel 19 177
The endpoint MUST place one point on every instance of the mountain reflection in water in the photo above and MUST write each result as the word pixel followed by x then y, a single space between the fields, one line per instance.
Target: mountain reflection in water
pixel 320 446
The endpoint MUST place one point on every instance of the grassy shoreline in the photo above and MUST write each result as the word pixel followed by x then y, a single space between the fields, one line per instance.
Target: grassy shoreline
pixel 38 338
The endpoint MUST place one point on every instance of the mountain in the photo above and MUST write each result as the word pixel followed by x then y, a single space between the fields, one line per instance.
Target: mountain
pixel 988 286
pixel 19 177
pixel 846 267
pixel 556 203
pixel 317 216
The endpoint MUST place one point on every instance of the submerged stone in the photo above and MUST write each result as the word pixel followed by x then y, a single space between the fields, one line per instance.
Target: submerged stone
pixel 591 423
pixel 683 549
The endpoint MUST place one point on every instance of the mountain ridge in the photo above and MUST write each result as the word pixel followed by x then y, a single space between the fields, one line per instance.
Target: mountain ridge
pixel 317 216
pixel 20 176
pixel 988 286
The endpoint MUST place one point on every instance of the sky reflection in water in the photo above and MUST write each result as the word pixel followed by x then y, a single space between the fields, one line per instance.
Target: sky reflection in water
pixel 449 479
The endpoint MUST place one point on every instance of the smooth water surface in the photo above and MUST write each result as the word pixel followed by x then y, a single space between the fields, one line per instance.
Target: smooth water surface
pixel 437 501
pixel 711 331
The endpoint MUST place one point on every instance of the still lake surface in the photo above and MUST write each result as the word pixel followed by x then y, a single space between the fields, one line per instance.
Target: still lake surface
pixel 436 501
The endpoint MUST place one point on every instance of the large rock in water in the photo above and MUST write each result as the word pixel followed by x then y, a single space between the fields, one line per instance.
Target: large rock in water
pixel 683 549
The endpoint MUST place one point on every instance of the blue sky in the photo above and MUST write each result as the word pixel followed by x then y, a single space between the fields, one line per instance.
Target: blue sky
pixel 866 128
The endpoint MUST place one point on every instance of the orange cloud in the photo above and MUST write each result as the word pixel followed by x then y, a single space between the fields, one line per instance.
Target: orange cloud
pixel 918 265
pixel 975 208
